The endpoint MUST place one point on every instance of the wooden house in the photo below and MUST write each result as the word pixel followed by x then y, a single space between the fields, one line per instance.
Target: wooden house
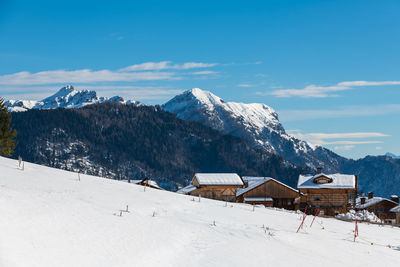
pixel 219 186
pixel 268 192
pixel 331 193
pixel 380 206
pixel 396 210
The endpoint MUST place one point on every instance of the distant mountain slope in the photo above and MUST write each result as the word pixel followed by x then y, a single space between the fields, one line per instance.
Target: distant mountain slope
pixel 388 154
pixel 379 174
pixel 113 140
pixel 66 97
pixel 257 123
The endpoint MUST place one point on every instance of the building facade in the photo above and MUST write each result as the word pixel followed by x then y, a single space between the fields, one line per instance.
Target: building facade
pixel 380 206
pixel 268 192
pixel 330 193
pixel 219 186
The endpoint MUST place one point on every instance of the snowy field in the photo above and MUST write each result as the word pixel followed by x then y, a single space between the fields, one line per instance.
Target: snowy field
pixel 50 218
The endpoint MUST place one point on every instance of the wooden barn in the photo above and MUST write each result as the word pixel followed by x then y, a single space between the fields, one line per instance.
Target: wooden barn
pixel 219 186
pixel 379 205
pixel 268 192
pixel 331 193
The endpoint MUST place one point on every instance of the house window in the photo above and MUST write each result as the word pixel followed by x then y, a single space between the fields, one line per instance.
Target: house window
pixel 317 198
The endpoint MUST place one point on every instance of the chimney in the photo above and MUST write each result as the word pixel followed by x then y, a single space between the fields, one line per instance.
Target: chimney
pixel 370 195
pixel 394 198
pixel 362 200
pixel 319 170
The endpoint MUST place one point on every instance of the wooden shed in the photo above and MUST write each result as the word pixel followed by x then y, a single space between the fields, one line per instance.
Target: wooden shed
pixel 331 193
pixel 219 186
pixel 380 206
pixel 269 192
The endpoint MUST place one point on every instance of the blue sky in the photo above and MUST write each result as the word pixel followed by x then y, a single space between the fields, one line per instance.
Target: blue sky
pixel 330 68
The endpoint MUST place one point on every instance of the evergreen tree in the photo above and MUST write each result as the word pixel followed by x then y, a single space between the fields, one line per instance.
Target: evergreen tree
pixel 7 134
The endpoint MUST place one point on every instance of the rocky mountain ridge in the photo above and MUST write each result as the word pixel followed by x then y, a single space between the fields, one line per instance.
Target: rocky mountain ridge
pixel 66 97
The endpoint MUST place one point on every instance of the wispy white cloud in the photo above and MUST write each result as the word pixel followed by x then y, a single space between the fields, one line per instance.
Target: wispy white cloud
pixel 326 138
pixel 346 148
pixel 149 71
pixel 162 65
pixel 346 111
pixel 165 65
pixel 315 91
pixel 141 93
pixel 82 76
pixel 246 85
pixel 204 72
pixel 346 135
pixel 346 142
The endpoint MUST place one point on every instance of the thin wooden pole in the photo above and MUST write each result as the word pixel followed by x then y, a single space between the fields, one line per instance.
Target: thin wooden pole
pixel 316 214
pixel 356 229
pixel 302 222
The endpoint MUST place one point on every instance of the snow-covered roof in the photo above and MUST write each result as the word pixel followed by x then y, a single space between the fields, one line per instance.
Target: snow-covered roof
pixel 146 182
pixel 370 202
pixel 396 209
pixel 266 199
pixel 218 179
pixel 153 183
pixel 187 189
pixel 254 182
pixel 338 181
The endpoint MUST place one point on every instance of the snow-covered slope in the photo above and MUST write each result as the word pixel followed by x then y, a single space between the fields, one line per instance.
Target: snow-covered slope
pixel 258 123
pixel 66 97
pixel 50 218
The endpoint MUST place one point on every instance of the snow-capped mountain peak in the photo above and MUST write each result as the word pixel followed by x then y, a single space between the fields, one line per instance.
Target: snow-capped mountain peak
pixel 256 122
pixel 204 97
pixel 219 112
pixel 66 97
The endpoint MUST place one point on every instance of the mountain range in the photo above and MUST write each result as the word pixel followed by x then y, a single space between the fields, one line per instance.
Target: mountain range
pixel 66 97
pixel 257 124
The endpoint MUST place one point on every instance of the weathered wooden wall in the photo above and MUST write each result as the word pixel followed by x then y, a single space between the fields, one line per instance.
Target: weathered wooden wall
pixel 283 197
pixel 218 192
pixel 330 201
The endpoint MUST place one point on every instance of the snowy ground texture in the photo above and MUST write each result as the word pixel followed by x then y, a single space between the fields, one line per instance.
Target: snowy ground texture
pixel 50 218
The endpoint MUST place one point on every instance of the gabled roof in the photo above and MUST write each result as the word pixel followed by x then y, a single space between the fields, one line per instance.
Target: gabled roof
pixel 187 189
pixel 371 202
pixel 337 181
pixel 396 209
pixel 218 179
pixel 254 182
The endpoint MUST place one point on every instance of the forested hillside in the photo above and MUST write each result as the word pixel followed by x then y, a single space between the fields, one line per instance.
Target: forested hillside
pixel 115 140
